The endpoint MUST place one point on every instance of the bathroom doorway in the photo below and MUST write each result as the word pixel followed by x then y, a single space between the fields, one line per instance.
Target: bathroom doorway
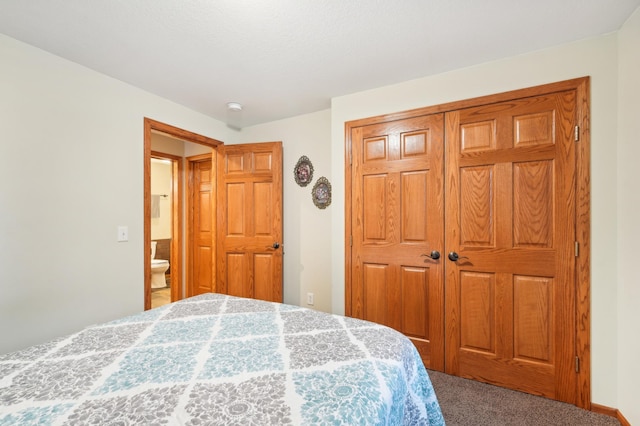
pixel 166 219
pixel 192 141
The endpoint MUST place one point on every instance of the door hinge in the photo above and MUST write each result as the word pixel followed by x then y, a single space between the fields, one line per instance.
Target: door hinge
pixel 351 240
pixel 577 248
pixel 577 133
pixel 577 364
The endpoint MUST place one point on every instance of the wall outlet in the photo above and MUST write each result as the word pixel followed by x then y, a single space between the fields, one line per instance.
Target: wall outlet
pixel 310 299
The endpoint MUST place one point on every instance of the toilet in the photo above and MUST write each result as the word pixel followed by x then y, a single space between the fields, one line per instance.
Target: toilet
pixel 158 268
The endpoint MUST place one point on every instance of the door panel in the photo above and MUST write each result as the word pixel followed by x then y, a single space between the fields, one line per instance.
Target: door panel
pixel 398 214
pixel 265 286
pixel 250 223
pixel 533 204
pixel 510 217
pixel 262 208
pixel 236 276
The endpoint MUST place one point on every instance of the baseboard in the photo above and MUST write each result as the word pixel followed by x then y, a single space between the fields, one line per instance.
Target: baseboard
pixel 612 412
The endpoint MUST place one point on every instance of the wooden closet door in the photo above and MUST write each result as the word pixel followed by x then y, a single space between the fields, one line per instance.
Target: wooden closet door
pixel 510 218
pixel 397 222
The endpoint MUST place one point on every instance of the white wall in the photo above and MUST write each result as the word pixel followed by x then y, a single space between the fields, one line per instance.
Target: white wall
pixel 71 171
pixel 307 229
pixel 628 231
pixel 596 58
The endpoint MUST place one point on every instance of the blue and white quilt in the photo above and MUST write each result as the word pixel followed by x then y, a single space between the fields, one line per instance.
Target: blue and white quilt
pixel 221 360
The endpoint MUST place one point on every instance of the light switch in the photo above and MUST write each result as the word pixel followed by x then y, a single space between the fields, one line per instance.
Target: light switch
pixel 123 233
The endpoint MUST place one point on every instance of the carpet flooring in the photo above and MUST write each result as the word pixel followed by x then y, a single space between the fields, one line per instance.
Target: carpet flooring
pixel 467 402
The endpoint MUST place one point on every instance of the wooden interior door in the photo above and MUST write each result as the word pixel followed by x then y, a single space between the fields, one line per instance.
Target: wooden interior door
pixel 202 225
pixel 250 221
pixel 397 220
pixel 510 218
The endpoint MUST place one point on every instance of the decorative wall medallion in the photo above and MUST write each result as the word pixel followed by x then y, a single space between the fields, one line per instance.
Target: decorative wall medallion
pixel 303 171
pixel 321 193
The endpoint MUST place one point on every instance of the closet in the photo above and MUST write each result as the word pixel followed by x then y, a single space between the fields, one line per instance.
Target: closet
pixel 467 230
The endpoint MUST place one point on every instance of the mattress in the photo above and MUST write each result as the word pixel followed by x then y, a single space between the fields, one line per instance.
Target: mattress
pixel 220 360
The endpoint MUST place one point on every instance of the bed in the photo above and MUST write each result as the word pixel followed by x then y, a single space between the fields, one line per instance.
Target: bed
pixel 218 359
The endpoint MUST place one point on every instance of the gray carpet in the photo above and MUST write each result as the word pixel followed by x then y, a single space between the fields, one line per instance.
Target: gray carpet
pixel 467 402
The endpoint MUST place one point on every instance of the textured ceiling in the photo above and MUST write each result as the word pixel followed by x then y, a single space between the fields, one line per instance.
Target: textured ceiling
pixel 289 57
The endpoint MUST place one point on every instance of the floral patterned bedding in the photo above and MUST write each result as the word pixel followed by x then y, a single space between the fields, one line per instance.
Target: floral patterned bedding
pixel 220 360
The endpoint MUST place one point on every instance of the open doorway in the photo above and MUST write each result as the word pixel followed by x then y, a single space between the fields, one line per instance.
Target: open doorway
pixel 166 224
pixel 151 128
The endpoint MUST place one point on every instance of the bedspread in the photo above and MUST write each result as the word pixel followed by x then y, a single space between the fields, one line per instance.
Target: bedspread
pixel 217 359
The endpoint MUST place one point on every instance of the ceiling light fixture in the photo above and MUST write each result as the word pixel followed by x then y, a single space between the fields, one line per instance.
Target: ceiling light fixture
pixel 234 106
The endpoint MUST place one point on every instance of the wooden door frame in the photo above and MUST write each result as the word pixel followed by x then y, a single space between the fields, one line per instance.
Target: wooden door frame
pixel 582 201
pixel 151 126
